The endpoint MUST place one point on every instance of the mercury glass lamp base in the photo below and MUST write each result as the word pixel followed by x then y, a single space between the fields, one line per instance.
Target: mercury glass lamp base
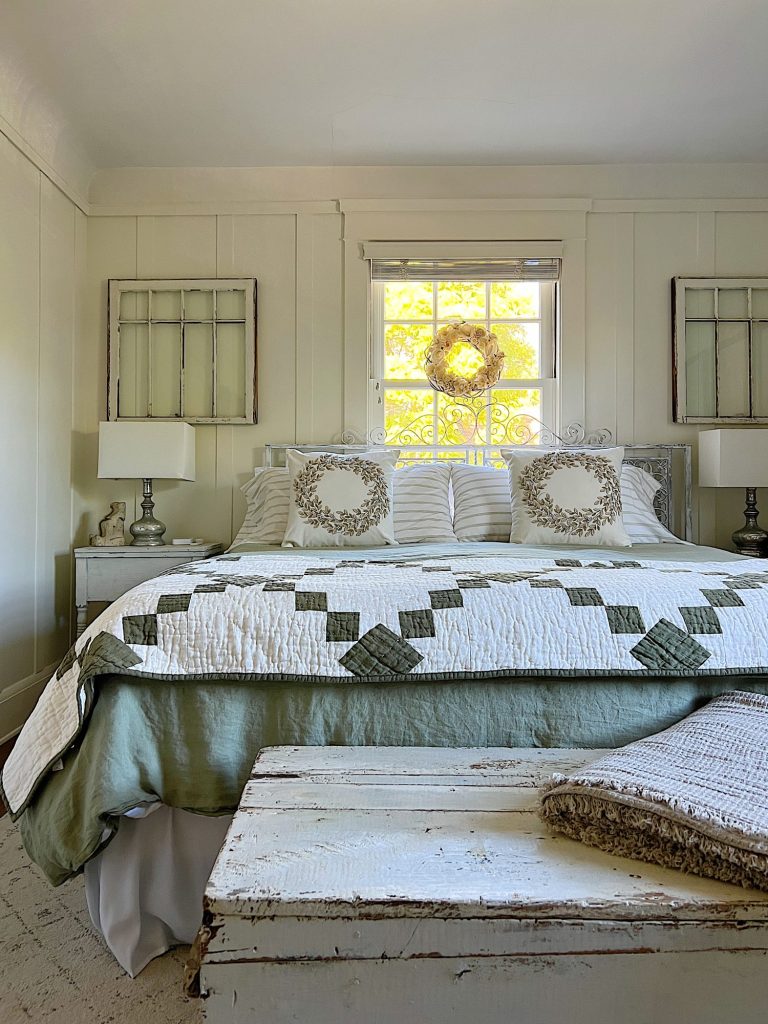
pixel 751 539
pixel 147 532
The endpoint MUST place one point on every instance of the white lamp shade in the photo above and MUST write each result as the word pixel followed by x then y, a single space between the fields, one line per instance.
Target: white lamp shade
pixel 733 458
pixel 155 451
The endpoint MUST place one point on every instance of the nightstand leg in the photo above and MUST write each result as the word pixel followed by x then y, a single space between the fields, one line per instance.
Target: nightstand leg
pixel 82 614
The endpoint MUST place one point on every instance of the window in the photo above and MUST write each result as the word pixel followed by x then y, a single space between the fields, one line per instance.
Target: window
pixel 182 350
pixel 410 303
pixel 720 350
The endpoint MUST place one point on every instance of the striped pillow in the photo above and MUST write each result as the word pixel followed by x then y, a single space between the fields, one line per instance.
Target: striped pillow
pixel 267 494
pixel 422 510
pixel 483 506
pixel 638 489
pixel 422 504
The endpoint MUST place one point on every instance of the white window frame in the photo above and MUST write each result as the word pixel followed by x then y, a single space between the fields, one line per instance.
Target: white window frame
pixel 548 383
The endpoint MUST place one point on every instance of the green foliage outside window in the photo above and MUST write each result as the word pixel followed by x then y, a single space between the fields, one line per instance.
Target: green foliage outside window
pixel 413 310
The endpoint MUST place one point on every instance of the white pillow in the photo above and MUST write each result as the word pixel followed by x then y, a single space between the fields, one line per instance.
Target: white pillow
pixel 422 505
pixel 267 515
pixel 482 505
pixel 340 500
pixel 567 497
pixel 638 489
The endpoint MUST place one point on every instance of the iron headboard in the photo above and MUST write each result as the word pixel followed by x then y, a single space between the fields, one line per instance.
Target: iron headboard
pixel 669 464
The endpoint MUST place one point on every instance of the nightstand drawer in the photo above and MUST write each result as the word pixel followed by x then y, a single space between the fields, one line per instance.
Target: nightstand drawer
pixel 103 574
pixel 110 578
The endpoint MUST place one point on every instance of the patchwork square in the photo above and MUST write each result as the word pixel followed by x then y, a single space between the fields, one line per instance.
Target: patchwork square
pixel 624 618
pixel 210 588
pixel 140 629
pixel 723 598
pixel 242 581
pixel 510 577
pixel 667 648
pixel 579 596
pixel 547 584
pixel 380 652
pixel 311 601
pixel 415 624
pixel 747 581
pixel 321 571
pixel 701 620
pixel 446 599
pixel 287 585
pixel 568 563
pixel 473 584
pixel 169 603
pixel 342 626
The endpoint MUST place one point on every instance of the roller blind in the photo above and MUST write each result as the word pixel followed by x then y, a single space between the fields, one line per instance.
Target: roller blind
pixel 534 268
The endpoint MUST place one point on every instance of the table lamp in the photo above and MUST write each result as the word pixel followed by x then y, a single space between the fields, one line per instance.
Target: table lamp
pixel 147 451
pixel 738 458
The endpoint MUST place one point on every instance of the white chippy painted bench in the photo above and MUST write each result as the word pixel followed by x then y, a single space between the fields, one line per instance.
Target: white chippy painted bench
pixel 386 885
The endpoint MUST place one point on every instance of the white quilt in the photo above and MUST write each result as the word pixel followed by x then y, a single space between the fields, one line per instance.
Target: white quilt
pixel 274 616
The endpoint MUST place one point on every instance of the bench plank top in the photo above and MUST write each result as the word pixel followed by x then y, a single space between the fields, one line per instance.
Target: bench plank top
pixel 396 832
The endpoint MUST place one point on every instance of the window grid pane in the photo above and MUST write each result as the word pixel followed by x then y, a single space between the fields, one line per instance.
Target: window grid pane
pixel 480 421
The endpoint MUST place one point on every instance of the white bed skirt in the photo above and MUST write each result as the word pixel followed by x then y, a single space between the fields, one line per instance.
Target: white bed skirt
pixel 145 889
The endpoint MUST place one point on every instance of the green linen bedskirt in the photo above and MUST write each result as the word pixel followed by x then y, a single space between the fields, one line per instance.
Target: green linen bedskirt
pixel 191 745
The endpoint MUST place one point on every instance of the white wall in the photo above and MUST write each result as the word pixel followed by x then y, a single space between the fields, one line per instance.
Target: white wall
pixel 42 249
pixel 628 230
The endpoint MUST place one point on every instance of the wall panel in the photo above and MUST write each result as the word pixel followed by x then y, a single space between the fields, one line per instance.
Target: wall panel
pixel 19 345
pixel 42 250
pixel 54 466
pixel 741 249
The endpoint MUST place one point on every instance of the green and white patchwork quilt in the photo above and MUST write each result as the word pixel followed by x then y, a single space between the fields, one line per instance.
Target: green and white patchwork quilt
pixel 334 618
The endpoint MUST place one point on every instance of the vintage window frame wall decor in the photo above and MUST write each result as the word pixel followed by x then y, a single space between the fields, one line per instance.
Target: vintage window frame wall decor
pixel 188 344
pixel 720 349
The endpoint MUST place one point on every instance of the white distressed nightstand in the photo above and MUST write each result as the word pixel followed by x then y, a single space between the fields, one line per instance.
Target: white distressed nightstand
pixel 104 574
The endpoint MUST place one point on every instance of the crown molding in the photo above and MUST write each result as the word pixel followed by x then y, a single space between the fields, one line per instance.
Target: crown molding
pixel 28 150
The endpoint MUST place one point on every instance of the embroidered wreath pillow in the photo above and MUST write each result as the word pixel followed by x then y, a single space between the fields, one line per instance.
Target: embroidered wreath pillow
pixel 339 501
pixel 567 497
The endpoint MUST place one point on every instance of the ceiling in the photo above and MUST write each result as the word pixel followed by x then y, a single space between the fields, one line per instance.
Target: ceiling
pixel 243 83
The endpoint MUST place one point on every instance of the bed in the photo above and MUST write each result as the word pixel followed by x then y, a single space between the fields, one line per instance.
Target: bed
pixel 133 762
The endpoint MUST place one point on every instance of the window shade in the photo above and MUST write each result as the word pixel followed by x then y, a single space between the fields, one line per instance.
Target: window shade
pixel 517 269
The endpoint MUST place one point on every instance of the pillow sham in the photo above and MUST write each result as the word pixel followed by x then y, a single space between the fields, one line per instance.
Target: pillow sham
pixel 638 490
pixel 340 500
pixel 482 505
pixel 266 517
pixel 567 497
pixel 422 506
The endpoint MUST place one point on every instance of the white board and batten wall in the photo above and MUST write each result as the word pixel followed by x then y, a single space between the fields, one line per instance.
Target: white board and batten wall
pixel 298 231
pixel 42 266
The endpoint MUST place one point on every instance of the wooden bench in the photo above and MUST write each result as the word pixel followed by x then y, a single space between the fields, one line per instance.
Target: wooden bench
pixel 386 885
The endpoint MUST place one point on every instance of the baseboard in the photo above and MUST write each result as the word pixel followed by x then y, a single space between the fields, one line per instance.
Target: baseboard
pixel 18 699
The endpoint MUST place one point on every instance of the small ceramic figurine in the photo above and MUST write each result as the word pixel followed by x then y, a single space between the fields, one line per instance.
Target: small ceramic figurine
pixel 111 528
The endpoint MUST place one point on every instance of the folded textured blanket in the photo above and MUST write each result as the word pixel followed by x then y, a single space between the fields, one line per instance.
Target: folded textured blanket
pixel 693 797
